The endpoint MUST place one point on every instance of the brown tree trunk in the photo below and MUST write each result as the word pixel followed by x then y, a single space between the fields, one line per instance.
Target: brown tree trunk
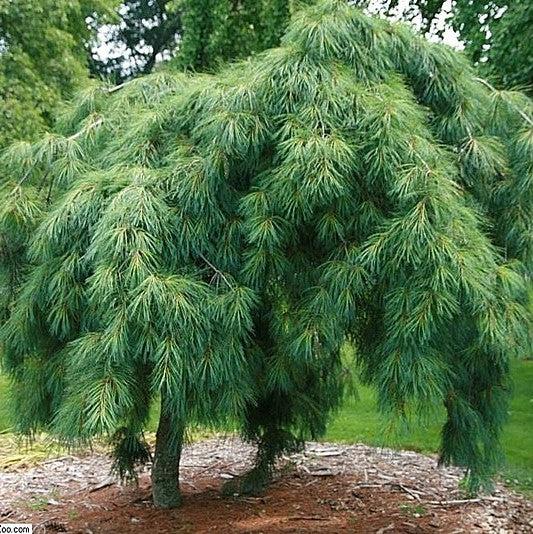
pixel 165 471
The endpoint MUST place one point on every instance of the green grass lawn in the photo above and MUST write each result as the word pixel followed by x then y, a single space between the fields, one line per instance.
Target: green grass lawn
pixel 358 422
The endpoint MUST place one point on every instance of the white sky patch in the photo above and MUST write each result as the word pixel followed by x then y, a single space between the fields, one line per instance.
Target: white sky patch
pixel 449 36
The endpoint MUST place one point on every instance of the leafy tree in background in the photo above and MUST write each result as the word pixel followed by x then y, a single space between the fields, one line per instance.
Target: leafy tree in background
pixel 494 33
pixel 215 31
pixel 144 32
pixel 42 59
pixel 502 45
pixel 199 34
pixel 205 33
pixel 123 40
pixel 212 241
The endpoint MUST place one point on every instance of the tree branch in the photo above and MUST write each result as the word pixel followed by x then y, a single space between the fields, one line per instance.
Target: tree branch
pixel 515 107
pixel 218 271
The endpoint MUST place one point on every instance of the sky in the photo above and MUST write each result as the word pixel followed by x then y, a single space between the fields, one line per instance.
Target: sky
pixel 450 37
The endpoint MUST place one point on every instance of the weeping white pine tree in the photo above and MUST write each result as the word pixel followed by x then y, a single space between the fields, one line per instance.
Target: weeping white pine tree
pixel 212 241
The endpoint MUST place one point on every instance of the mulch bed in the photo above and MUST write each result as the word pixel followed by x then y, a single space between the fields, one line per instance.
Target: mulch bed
pixel 328 488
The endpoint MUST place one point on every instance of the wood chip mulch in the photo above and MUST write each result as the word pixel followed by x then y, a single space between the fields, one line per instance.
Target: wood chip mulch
pixel 327 488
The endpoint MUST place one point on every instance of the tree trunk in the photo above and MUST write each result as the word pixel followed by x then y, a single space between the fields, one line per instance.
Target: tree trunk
pixel 165 471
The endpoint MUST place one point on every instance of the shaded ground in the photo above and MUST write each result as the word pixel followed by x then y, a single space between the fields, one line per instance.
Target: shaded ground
pixel 329 488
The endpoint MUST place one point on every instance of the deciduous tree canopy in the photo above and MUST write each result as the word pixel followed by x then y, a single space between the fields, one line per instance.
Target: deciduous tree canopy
pixel 198 34
pixel 214 240
pixel 142 32
pixel 202 33
pixel 42 60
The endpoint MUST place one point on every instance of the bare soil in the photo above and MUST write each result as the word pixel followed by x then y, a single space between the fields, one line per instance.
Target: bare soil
pixel 328 488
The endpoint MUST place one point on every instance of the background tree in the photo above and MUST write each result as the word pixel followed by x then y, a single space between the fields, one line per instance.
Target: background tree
pixel 493 33
pixel 144 32
pixel 204 33
pixel 212 241
pixel 215 31
pixel 42 59
pixel 117 41
pixel 199 34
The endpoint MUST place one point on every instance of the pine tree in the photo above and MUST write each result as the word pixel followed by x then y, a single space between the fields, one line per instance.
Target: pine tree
pixel 212 241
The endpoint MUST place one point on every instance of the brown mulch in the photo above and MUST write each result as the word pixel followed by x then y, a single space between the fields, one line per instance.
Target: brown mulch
pixel 328 488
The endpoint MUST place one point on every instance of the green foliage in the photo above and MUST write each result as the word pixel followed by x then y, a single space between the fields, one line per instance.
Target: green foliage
pixel 492 31
pixel 499 45
pixel 42 60
pixel 215 239
pixel 5 422
pixel 38 73
pixel 215 31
